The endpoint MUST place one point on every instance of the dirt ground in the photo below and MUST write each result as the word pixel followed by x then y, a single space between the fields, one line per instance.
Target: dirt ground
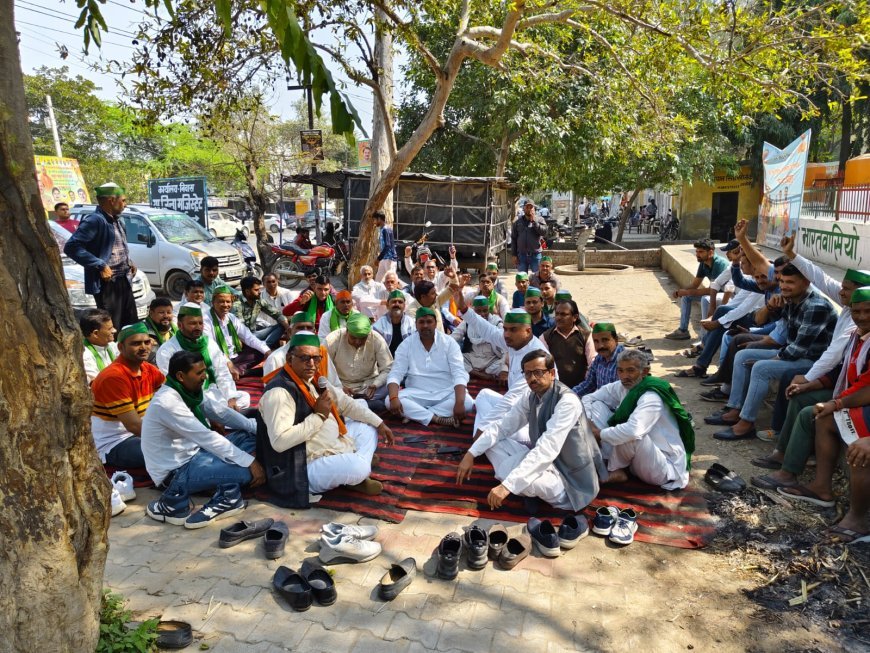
pixel 734 595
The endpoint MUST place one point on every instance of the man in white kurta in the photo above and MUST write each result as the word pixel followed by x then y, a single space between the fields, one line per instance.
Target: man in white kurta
pixel 235 340
pixel 482 359
pixel 369 295
pixel 561 463
pixel 431 367
pixel 336 317
pixel 190 326
pixel 649 443
pixel 333 458
pixel 362 360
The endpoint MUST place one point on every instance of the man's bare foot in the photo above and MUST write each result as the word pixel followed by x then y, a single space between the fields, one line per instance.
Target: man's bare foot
pixel 617 476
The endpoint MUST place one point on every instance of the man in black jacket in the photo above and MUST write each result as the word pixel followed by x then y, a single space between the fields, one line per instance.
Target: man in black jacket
pixel 526 237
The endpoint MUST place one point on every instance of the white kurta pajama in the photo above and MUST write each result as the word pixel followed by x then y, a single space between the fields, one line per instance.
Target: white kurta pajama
pixel 429 377
pixel 367 296
pixel 492 406
pixel 246 336
pixel 648 443
pixel 483 357
pixel 529 471
pixel 333 459
pixel 220 392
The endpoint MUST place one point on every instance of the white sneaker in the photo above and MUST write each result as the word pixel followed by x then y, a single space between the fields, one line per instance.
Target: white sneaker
pixel 123 483
pixel 359 532
pixel 335 549
pixel 118 505
pixel 625 527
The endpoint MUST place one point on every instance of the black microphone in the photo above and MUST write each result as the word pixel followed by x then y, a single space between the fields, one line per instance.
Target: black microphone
pixel 322 385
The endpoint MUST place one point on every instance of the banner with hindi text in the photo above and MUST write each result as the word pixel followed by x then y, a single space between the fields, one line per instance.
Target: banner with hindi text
pixel 784 173
pixel 184 194
pixel 60 180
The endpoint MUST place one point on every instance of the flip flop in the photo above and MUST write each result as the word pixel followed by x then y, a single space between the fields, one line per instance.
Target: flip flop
pixel 767 482
pixel 766 462
pixel 844 535
pixel 691 373
pixel 802 493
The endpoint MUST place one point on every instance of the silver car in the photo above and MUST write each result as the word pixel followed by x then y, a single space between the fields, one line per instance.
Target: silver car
pixel 74 276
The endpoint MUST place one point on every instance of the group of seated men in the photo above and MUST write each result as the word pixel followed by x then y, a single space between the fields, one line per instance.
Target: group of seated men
pixel 575 408
pixel 780 324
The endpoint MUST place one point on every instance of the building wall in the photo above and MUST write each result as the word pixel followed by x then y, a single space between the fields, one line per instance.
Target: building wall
pixel 696 202
pixel 839 243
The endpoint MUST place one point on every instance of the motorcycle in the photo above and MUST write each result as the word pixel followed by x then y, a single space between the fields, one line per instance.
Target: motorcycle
pixel 291 263
pixel 341 263
pixel 671 229
pixel 249 256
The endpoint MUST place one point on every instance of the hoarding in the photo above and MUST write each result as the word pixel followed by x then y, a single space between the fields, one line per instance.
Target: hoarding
pixel 784 172
pixel 60 180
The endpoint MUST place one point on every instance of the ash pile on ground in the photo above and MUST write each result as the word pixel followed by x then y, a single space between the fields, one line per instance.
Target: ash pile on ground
pixel 798 573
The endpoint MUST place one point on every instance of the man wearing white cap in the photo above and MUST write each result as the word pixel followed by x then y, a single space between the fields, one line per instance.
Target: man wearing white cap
pixel 99 245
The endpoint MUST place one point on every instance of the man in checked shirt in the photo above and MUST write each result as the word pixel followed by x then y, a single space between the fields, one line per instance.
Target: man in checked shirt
pixel 603 368
pixel 807 319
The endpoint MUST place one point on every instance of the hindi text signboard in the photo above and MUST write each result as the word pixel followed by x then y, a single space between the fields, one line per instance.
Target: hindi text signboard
pixel 185 194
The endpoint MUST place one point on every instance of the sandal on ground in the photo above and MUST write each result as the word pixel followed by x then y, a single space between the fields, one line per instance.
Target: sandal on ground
pixel 803 493
pixel 723 479
pixel 843 535
pixel 766 462
pixel 768 482
pixel 691 373
pixel 637 341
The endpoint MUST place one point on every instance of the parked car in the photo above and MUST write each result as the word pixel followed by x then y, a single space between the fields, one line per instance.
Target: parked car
pixel 74 277
pixel 275 223
pixel 224 224
pixel 168 247
pixel 326 216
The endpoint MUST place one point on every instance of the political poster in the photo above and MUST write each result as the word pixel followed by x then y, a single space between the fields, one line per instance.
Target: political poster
pixel 185 194
pixel 312 144
pixel 784 172
pixel 364 153
pixel 60 180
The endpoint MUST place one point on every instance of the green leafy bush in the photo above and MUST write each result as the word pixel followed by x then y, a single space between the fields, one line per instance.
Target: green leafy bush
pixel 115 636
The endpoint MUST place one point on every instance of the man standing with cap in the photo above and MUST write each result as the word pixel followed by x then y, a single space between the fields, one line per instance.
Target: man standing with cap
pixel 99 245
pixel 362 360
pixel 526 234
pixel 396 325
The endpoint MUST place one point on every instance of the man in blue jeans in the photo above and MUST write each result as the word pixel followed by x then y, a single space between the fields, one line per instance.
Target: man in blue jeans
pixel 526 235
pixel 808 319
pixel 710 266
pixel 184 455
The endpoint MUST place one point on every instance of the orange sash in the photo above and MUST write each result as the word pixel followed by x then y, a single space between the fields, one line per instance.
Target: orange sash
pixel 303 388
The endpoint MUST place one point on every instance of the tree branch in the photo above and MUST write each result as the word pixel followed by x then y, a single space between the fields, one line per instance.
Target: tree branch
pixel 411 35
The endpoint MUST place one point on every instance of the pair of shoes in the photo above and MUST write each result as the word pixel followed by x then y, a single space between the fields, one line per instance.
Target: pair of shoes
pixel 118 505
pixel 341 543
pixel 301 591
pixel 715 395
pixel 226 502
pixel 275 535
pixel 397 578
pixel 723 479
pixel 550 542
pixel 712 380
pixel 619 526
pixel 123 483
pixel 729 434
pixel 678 334
pixel 717 419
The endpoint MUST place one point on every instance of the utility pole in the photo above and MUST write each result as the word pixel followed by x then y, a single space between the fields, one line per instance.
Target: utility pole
pixel 315 201
pixel 53 126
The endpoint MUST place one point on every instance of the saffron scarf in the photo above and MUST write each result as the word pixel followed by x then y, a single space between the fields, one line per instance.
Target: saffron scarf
pixel 100 364
pixel 303 388
pixel 219 335
pixel 190 399
pixel 198 346
pixel 664 390
pixel 157 332
pixel 311 308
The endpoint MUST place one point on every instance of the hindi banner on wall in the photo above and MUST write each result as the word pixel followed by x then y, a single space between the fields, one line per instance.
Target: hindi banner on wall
pixel 184 194
pixel 784 172
pixel 60 180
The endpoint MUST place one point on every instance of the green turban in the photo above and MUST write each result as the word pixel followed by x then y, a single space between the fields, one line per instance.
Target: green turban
pixel 547 258
pixel 299 317
pixel 190 309
pixel 522 276
pixel 109 189
pixel 563 296
pixel 861 295
pixel 396 294
pixel 358 325
pixel 304 339
pixel 604 327
pixel 861 277
pixel 480 300
pixel 222 290
pixel 517 316
pixel 423 311
pixel 492 266
pixel 533 292
pixel 131 330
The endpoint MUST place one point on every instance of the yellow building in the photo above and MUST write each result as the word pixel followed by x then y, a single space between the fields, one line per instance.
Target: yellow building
pixel 711 211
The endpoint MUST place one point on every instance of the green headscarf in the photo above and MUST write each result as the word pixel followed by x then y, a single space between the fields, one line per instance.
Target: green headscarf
pixel 199 346
pixel 190 399
pixel 358 325
pixel 221 339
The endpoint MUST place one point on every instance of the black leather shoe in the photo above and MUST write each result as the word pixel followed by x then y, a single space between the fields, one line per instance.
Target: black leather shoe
pixel 322 586
pixel 716 419
pixel 397 578
pixel 449 552
pixel 294 588
pixel 243 530
pixel 275 540
pixel 476 543
pixel 498 538
pixel 729 434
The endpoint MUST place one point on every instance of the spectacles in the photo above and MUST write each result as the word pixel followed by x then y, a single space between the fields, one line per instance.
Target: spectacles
pixel 305 358
pixel 534 374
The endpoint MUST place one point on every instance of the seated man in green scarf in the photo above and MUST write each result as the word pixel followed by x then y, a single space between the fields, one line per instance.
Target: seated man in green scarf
pixel 641 426
pixel 498 305
pixel 160 323
pixel 362 360
pixel 336 317
pixel 236 341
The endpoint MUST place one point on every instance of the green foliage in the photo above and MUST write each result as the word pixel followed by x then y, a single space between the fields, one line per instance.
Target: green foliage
pixel 116 636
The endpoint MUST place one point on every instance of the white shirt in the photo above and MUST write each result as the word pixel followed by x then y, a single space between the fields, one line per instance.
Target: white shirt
pixel 282 298
pixel 223 378
pixel 172 435
pixel 744 302
pixel 246 337
pixel 502 306
pixel 435 371
pixel 546 449
pixel 724 282
pixel 324 329
pixel 368 295
pixel 650 418
pixel 91 367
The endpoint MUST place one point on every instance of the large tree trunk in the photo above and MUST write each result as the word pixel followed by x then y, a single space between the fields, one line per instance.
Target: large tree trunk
pixel 259 203
pixel 626 211
pixel 845 136
pixel 54 495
